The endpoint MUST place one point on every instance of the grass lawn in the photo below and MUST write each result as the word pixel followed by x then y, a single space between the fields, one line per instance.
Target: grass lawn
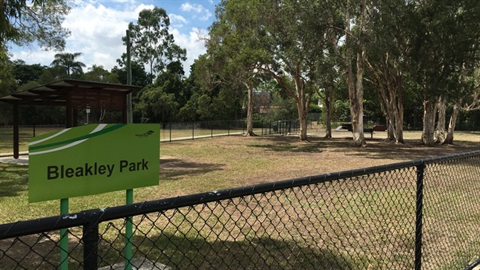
pixel 208 164
pixel 194 166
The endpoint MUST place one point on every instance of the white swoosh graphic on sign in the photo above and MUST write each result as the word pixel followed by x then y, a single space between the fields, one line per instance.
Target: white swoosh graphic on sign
pixel 51 137
pixel 58 149
pixel 97 129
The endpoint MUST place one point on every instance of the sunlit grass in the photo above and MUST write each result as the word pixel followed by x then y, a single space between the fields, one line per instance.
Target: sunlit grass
pixel 194 166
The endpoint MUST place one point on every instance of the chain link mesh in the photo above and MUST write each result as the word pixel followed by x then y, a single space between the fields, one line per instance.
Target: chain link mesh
pixel 356 222
pixel 451 213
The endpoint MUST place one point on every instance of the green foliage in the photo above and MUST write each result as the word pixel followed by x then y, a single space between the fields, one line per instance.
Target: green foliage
pixel 342 111
pixel 68 64
pixel 139 75
pixel 172 82
pixel 210 98
pixel 155 105
pixel 446 42
pixel 26 73
pixel 284 109
pixel 99 74
pixel 7 80
pixel 40 21
pixel 151 42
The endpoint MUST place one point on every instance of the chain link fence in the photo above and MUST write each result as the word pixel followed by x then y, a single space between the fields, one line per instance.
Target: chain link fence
pixel 414 215
pixel 174 131
pixel 171 131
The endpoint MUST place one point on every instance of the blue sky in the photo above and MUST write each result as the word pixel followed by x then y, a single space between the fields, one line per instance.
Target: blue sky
pixel 97 27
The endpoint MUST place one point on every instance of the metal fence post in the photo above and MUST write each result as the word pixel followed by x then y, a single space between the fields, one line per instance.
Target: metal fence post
pixel 90 245
pixel 193 130
pixel 419 216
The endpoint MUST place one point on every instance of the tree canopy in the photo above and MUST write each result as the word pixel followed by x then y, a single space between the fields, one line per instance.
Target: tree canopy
pixel 406 64
pixel 151 42
pixel 40 21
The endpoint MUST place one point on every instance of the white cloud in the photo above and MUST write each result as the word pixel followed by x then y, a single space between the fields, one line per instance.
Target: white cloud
pixel 201 12
pixel 39 56
pixel 97 31
pixel 177 20
pixel 193 42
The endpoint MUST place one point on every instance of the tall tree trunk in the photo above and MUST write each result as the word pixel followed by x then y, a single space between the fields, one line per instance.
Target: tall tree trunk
pixel 429 107
pixel 303 100
pixel 440 130
pixel 390 94
pixel 355 85
pixel 453 122
pixel 249 110
pixel 390 130
pixel 328 107
pixel 398 113
pixel 356 103
pixel 303 125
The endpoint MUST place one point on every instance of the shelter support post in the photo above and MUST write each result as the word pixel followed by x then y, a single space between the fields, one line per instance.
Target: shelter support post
pixel 75 117
pixel 16 137
pixel 69 111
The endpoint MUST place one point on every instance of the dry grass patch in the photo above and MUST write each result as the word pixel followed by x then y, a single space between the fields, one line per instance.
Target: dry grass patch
pixel 211 164
pixel 364 222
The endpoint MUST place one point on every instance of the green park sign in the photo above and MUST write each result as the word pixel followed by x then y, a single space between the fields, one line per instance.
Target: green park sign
pixel 93 159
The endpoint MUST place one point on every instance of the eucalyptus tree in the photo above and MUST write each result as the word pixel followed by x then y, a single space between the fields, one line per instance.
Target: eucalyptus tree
pixel 68 62
pixel 466 96
pixel 446 44
pixel 233 49
pixel 214 97
pixel 355 45
pixel 390 34
pixel 329 67
pixel 151 42
pixel 294 36
pixel 467 100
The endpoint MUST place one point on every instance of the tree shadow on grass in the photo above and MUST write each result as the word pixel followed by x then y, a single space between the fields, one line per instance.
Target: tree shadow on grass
pixel 411 150
pixel 172 169
pixel 195 252
pixel 175 252
pixel 375 148
pixel 13 180
pixel 288 144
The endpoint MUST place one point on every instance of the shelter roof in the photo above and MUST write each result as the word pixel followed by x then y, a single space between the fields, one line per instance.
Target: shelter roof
pixel 74 93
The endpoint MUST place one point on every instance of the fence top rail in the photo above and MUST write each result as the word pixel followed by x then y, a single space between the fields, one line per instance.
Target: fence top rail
pixel 53 223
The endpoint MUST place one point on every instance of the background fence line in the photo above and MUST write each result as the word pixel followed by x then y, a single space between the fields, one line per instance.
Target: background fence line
pixel 412 215
pixel 174 131
pixel 170 131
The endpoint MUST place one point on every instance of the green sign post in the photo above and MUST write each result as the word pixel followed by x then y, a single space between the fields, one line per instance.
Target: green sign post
pixel 92 159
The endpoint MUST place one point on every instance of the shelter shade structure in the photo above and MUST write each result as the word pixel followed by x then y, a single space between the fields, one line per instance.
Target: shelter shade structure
pixel 74 95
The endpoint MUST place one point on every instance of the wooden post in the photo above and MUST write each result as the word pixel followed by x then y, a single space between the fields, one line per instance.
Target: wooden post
pixel 16 137
pixel 68 108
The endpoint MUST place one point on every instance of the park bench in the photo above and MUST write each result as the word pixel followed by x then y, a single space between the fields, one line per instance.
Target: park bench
pixel 365 130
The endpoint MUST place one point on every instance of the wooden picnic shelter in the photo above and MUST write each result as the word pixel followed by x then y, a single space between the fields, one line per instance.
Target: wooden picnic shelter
pixel 74 95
